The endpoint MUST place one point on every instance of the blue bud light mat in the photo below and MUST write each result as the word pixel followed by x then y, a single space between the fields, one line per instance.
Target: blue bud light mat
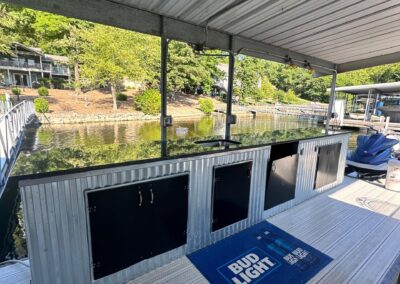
pixel 261 254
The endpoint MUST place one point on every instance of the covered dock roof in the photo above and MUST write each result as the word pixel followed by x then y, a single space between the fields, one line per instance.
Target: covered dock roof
pixel 329 35
pixel 382 88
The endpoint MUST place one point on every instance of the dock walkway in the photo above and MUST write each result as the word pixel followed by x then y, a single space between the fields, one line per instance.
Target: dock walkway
pixel 359 124
pixel 356 223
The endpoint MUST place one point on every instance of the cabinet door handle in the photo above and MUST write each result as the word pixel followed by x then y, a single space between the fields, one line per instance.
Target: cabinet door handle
pixel 151 196
pixel 140 198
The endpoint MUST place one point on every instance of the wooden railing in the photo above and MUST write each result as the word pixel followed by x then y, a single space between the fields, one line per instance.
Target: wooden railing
pixel 12 125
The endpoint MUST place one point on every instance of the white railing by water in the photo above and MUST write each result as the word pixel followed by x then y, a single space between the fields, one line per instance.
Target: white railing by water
pixel 12 125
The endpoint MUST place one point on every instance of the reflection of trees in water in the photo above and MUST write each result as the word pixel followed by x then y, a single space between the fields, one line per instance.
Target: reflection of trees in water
pixel 19 238
pixel 78 157
pixel 94 134
pixel 12 237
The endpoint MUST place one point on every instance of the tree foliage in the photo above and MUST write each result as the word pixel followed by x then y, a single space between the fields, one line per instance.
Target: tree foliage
pixel 149 102
pixel 206 105
pixel 186 70
pixel 41 105
pixel 15 26
pixel 109 55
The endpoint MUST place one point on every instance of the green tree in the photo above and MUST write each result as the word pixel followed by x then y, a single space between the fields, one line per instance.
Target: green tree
pixel 248 73
pixel 15 26
pixel 111 54
pixel 267 89
pixel 62 36
pixel 187 70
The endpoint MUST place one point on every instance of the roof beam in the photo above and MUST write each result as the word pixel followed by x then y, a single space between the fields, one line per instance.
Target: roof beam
pixel 369 62
pixel 123 16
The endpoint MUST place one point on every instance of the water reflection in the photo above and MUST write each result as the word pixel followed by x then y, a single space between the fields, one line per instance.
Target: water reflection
pixel 57 147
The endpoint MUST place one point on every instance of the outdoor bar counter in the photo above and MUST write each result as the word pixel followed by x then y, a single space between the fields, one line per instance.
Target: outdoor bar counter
pixel 110 224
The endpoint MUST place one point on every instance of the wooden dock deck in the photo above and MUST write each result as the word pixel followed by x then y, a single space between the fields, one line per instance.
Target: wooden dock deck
pixel 16 273
pixel 356 223
pixel 359 124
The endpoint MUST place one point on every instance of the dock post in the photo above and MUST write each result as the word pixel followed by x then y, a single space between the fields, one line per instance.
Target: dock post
pixel 387 123
pixel 331 100
pixel 163 88
pixel 367 107
pixel 229 117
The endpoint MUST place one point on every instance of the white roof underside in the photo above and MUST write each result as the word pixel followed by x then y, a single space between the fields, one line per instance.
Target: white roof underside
pixel 352 34
pixel 336 31
pixel 383 88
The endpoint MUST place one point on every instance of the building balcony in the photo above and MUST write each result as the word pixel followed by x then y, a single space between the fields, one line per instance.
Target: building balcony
pixel 16 64
pixel 60 70
pixel 44 67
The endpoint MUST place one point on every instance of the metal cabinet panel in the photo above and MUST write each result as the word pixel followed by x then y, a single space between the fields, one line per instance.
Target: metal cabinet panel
pixel 131 223
pixel 282 174
pixel 327 165
pixel 231 194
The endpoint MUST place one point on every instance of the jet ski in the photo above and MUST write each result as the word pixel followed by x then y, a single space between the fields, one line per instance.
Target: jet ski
pixel 369 160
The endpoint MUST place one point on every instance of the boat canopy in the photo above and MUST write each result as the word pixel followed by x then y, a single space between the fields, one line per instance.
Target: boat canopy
pixel 392 89
pixel 325 35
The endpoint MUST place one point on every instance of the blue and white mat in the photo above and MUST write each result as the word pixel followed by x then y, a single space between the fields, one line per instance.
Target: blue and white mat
pixel 261 254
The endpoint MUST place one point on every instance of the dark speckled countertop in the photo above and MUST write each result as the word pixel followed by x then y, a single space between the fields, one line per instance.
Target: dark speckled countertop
pixel 67 161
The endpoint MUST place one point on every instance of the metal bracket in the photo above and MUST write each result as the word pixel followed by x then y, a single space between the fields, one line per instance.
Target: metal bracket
pixel 232 119
pixel 167 121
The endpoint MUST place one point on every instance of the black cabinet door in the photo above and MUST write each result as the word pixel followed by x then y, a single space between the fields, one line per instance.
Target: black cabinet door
pixel 327 165
pixel 231 194
pixel 131 223
pixel 281 184
pixel 281 174
pixel 117 224
pixel 168 213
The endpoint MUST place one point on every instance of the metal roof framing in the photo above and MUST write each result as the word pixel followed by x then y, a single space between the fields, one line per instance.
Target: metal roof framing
pixel 328 34
pixel 382 88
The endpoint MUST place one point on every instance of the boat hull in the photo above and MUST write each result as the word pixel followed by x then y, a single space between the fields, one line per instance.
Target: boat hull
pixel 392 112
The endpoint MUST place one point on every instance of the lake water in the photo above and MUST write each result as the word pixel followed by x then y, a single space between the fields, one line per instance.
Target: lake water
pixel 58 147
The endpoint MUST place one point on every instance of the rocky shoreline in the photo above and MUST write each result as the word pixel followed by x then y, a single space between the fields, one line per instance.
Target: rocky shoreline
pixel 50 118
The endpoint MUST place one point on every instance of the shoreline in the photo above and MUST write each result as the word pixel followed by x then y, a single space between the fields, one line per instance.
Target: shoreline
pixel 120 117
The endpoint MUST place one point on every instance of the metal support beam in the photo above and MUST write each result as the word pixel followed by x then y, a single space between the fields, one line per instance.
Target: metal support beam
pixel 375 102
pixel 163 88
pixel 369 62
pixel 366 110
pixel 229 117
pixel 331 102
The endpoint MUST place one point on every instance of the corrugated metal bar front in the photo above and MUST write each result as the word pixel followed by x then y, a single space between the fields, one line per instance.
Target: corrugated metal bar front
pixel 55 214
pixel 308 151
